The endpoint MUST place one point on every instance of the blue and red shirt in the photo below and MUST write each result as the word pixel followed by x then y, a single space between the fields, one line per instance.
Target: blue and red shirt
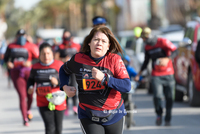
pixel 92 94
pixel 40 74
pixel 162 48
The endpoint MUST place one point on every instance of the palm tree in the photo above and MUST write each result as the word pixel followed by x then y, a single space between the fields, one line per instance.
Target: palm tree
pixel 3 5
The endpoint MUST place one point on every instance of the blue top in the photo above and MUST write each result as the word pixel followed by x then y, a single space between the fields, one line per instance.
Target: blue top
pixel 132 72
pixel 3 47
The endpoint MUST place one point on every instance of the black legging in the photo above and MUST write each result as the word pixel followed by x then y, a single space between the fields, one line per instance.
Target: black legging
pixel 52 120
pixel 90 127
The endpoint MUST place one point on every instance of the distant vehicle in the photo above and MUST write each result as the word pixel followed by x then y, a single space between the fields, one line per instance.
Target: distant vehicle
pixel 171 28
pixel 187 71
pixel 78 39
pixel 175 36
pixel 50 34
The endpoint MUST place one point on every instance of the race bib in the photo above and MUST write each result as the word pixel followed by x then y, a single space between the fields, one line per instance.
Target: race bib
pixel 91 84
pixel 18 62
pixel 43 89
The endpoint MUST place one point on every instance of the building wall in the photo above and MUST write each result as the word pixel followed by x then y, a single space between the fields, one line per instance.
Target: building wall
pixel 177 11
pixel 137 13
pixel 133 13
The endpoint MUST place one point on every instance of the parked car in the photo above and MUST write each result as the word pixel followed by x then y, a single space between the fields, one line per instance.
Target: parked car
pixel 187 71
pixel 175 36
pixel 170 28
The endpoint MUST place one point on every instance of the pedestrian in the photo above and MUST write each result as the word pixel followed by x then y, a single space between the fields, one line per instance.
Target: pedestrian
pixel 3 47
pixel 50 100
pixel 65 51
pixel 18 58
pixel 131 71
pixel 129 104
pixel 101 77
pixel 139 42
pixel 67 48
pixel 161 51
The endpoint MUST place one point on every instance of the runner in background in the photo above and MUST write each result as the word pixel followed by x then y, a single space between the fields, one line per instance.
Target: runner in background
pixel 64 53
pixel 161 51
pixel 128 102
pixel 50 100
pixel 18 57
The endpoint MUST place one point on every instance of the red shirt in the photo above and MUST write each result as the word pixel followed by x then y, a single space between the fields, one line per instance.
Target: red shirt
pixel 70 44
pixel 40 74
pixel 28 52
pixel 162 48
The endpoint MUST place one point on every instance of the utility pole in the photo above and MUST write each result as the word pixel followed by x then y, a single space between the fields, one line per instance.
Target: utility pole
pixel 84 14
pixel 155 20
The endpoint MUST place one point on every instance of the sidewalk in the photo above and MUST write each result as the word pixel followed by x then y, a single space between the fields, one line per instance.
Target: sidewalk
pixel 11 119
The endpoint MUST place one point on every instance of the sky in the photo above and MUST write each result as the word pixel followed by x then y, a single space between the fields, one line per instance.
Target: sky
pixel 26 4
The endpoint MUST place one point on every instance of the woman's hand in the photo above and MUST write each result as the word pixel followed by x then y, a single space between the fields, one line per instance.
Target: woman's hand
pixel 27 64
pixel 30 90
pixel 53 80
pixel 97 74
pixel 69 90
pixel 137 78
pixel 10 65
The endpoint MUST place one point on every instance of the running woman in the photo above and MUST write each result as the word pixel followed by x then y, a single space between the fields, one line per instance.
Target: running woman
pixel 64 52
pixel 101 76
pixel 18 57
pixel 45 75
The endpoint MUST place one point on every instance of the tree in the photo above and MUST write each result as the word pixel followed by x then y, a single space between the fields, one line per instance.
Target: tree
pixel 155 20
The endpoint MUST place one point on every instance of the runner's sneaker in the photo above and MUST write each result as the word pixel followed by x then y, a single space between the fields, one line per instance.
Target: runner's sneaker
pixel 159 120
pixel 66 112
pixel 26 122
pixel 29 115
pixel 75 110
pixel 167 123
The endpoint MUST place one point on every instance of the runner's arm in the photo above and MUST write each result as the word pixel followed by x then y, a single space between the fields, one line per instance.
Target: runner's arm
pixel 64 78
pixel 121 85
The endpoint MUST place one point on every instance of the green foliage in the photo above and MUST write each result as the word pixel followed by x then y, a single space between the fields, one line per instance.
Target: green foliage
pixel 45 14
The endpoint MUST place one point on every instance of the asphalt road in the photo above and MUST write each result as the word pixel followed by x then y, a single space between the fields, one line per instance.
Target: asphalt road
pixel 185 120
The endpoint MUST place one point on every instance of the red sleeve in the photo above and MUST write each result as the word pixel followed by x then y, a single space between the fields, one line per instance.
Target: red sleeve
pixel 35 51
pixel 76 46
pixel 168 46
pixel 58 64
pixel 119 68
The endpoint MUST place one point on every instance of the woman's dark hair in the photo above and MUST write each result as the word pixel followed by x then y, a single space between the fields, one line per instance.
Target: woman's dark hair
pixel 45 45
pixel 114 44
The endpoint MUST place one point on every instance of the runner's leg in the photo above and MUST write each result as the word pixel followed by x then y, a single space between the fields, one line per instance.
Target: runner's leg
pixel 49 120
pixel 59 121
pixel 20 86
pixel 90 127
